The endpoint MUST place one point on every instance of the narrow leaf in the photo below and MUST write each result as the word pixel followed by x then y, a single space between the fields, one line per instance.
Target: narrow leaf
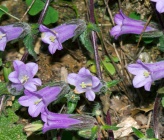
pixel 138 133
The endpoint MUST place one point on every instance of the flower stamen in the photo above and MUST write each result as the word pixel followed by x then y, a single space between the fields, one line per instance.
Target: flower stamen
pixel 24 79
pixel 2 35
pixel 52 38
pixel 37 102
pixel 146 74
pixel 84 85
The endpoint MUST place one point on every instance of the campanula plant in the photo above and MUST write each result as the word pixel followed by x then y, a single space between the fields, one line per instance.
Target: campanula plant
pixel 8 33
pixel 56 36
pixel 37 101
pixel 66 121
pixel 23 76
pixel 84 81
pixel 126 25
pixel 146 73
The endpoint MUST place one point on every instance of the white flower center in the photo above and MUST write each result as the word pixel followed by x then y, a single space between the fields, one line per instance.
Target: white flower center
pixel 2 35
pixel 84 85
pixel 37 102
pixel 24 79
pixel 52 38
pixel 146 74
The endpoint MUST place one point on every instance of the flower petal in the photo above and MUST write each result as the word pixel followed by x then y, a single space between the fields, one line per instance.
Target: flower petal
pixel 30 86
pixel 90 95
pixel 140 80
pixel 35 110
pixel 27 100
pixel 160 6
pixel 84 71
pixel 95 81
pixel 13 77
pixel 97 89
pixel 52 48
pixel 71 78
pixel 32 67
pixel 135 68
pixel 17 64
pixel 147 86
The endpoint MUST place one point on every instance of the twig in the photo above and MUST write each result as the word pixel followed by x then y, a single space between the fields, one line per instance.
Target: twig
pixel 148 21
pixel 9 14
pixel 27 10
pixel 109 11
pixel 155 116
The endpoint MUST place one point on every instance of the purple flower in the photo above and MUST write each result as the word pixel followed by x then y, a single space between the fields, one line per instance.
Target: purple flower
pixel 126 25
pixel 56 36
pixel 66 121
pixel 146 73
pixel 8 33
pixel 84 81
pixel 23 75
pixel 36 101
pixel 159 5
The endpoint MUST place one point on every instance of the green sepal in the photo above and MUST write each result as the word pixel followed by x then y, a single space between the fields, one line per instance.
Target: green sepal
pixel 71 106
pixel 7 69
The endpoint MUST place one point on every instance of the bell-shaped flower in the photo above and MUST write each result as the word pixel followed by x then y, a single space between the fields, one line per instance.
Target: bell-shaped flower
pixel 56 36
pixel 84 81
pixel 36 101
pixel 23 75
pixel 126 25
pixel 8 33
pixel 146 73
pixel 66 121
pixel 159 5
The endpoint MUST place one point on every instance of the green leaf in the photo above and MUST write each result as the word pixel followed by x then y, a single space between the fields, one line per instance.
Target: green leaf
pixel 51 16
pixel 161 90
pixel 162 101
pixel 112 83
pixel 109 67
pixel 10 129
pixel 28 42
pixel 94 131
pixel 3 88
pixel 3 8
pixel 161 43
pixel 36 7
pixel 134 15
pixel 93 27
pixel 84 38
pixel 110 127
pixel 138 133
pixel 150 133
pixel 148 139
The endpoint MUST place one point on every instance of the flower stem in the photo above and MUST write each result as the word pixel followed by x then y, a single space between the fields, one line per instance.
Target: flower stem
pixel 94 40
pixel 44 11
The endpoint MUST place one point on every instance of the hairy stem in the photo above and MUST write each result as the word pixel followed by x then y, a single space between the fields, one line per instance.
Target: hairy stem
pixel 157 102
pixel 44 11
pixel 94 40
